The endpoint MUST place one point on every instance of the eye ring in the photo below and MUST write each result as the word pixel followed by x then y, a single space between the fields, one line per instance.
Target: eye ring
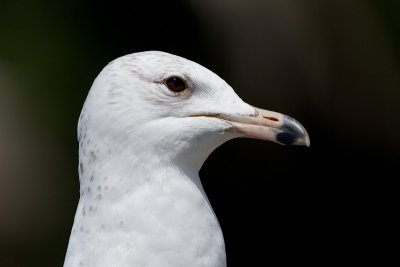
pixel 176 84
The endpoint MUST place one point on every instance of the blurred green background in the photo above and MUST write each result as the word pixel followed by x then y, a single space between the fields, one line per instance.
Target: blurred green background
pixel 333 65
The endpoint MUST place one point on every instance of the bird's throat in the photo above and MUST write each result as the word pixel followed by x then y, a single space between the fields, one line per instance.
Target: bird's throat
pixel 166 211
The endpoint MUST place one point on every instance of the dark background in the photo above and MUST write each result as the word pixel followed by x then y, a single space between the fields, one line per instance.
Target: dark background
pixel 333 65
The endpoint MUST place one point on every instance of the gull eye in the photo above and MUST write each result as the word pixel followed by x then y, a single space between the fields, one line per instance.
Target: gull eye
pixel 175 84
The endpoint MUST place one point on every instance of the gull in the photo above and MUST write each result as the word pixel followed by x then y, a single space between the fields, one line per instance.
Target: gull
pixel 149 122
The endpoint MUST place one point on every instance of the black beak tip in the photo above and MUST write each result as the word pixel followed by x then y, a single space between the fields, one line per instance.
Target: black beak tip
pixel 292 133
pixel 286 138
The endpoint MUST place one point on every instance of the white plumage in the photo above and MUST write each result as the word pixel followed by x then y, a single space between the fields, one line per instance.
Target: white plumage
pixel 141 146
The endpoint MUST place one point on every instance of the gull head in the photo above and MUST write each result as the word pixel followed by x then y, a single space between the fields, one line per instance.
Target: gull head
pixel 158 107
pixel 148 124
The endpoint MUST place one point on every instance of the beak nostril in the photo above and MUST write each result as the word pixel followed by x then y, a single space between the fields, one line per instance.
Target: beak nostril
pixel 270 118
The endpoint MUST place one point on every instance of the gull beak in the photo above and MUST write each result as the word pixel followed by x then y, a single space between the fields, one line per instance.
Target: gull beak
pixel 271 126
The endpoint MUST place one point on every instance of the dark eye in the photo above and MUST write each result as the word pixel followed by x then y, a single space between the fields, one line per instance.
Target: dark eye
pixel 175 84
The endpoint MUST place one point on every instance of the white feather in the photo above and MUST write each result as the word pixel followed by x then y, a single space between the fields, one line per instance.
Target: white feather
pixel 140 150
